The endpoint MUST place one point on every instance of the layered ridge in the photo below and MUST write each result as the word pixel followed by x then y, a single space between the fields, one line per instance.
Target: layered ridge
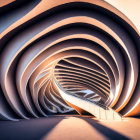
pixel 54 51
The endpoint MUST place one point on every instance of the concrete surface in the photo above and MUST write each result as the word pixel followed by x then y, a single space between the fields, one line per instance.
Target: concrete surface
pixel 70 127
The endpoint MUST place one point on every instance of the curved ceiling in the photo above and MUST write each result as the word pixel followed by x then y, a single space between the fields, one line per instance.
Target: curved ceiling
pixel 56 55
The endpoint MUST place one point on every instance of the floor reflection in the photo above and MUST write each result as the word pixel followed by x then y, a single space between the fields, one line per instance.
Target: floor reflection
pixel 69 127
pixel 33 129
pixel 73 128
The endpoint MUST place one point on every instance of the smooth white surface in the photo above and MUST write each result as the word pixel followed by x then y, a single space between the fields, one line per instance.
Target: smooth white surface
pixel 130 8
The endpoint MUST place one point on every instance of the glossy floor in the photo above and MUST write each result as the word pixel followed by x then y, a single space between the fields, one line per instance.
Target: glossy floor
pixel 70 127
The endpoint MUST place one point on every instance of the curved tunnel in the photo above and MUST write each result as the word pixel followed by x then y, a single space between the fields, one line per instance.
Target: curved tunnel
pixel 65 55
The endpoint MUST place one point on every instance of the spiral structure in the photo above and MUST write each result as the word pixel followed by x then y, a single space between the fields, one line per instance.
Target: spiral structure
pixel 60 55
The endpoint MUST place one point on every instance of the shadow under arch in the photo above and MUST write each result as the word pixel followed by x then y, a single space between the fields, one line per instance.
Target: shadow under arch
pixel 107 132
